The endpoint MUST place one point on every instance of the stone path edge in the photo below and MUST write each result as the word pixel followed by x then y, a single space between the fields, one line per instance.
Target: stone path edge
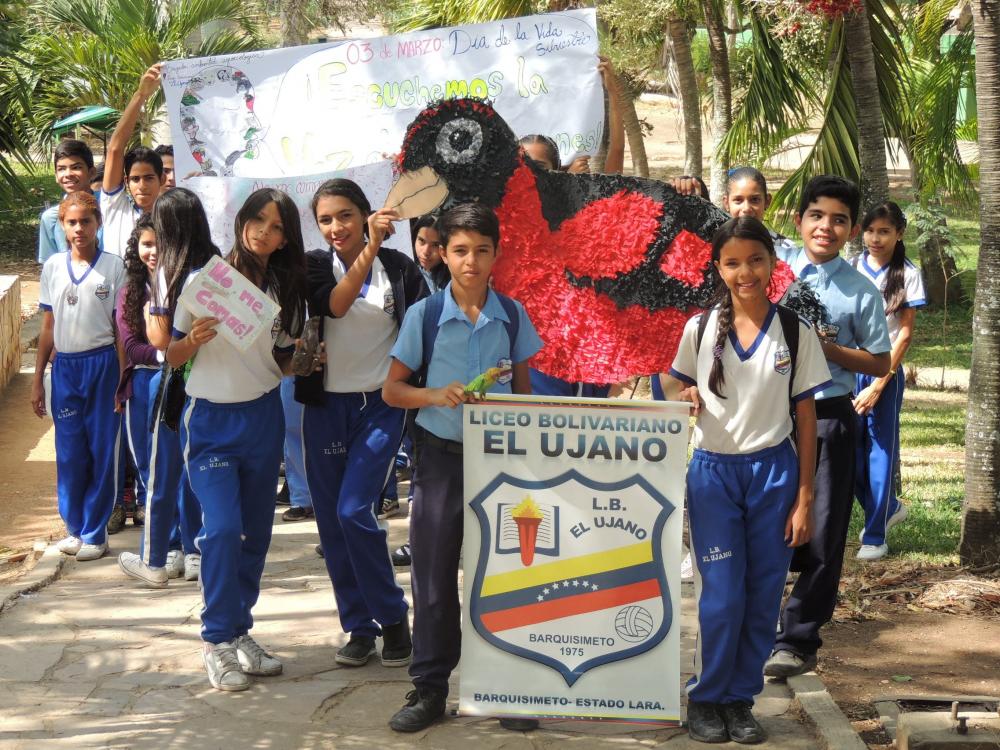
pixel 832 726
pixel 46 570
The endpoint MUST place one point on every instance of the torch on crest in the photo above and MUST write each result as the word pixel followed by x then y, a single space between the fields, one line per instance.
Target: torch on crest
pixel 527 515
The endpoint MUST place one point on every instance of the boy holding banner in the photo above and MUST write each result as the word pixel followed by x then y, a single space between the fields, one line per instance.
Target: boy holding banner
pixel 449 337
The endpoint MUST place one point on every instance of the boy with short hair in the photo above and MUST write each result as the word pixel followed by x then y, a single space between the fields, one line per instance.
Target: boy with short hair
pixel 140 170
pixel 166 152
pixel 855 338
pixel 74 165
pixel 472 329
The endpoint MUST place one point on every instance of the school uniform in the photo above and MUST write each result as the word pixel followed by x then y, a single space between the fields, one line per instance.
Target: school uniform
pixel 295 467
pixel 118 217
pixel 232 431
pixel 142 361
pixel 741 484
pixel 81 298
pixel 462 350
pixel 351 435
pixel 549 385
pixel 878 444
pixel 854 306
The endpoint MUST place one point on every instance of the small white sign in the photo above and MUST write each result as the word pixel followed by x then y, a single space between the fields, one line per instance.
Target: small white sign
pixel 243 310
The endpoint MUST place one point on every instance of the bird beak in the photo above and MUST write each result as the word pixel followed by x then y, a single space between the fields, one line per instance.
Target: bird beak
pixel 417 193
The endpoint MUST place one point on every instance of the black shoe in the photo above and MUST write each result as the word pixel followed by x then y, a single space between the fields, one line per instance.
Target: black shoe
pixel 518 725
pixel 296 513
pixel 139 516
pixel 117 521
pixel 397 647
pixel 423 707
pixel 284 496
pixel 401 557
pixel 357 652
pixel 319 550
pixel 741 726
pixel 705 724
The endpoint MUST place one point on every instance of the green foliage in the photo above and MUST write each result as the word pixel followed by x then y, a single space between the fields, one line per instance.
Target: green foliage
pixel 13 101
pixel 91 52
pixel 412 15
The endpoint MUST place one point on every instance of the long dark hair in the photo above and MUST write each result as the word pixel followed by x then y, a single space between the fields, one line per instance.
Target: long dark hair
pixel 548 143
pixel 894 292
pixel 136 277
pixel 183 242
pixel 744 228
pixel 285 270
pixel 440 273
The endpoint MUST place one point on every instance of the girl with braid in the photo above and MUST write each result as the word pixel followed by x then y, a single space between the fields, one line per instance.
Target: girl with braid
pixel 750 481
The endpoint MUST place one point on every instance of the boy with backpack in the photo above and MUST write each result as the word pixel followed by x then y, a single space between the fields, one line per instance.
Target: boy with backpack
pixel 448 339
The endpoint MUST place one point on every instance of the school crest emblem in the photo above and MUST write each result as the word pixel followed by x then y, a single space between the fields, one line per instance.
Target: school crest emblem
pixel 782 360
pixel 570 572
pixel 102 291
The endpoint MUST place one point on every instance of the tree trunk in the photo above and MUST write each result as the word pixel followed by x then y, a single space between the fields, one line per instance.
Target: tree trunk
pixel 722 96
pixel 680 44
pixel 980 542
pixel 633 131
pixel 294 25
pixel 874 178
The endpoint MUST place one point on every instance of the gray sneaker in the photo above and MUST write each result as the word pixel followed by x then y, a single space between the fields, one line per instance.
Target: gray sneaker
pixel 223 667
pixel 788 664
pixel 255 660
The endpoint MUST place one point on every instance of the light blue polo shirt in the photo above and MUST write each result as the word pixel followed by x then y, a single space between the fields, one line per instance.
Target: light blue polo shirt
pixel 51 238
pixel 852 303
pixel 462 351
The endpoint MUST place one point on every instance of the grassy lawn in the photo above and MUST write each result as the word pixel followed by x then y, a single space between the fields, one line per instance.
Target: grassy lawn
pixel 19 218
pixel 932 441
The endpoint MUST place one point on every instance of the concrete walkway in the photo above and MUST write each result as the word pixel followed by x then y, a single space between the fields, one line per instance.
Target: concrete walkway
pixel 94 661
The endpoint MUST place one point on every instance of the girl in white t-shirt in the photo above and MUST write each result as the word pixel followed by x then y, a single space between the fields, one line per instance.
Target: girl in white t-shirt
pixel 77 296
pixel 746 195
pixel 232 432
pixel 362 291
pixel 879 400
pixel 749 494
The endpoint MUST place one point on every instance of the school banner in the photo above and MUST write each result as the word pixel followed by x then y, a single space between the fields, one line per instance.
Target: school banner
pixel 572 557
pixel 322 107
pixel 223 197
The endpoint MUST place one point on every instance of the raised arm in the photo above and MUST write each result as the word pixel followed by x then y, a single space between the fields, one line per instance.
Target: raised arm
pixel 114 161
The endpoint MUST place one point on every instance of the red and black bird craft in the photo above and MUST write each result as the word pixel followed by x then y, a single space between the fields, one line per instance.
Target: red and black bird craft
pixel 608 267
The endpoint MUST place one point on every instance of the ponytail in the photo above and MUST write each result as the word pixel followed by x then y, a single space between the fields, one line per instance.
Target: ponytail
pixel 724 322
pixel 894 292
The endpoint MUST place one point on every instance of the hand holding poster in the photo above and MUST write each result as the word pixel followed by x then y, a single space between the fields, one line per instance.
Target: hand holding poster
pixel 243 310
pixel 572 558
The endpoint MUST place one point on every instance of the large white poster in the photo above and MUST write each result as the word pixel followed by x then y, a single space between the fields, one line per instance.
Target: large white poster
pixel 572 556
pixel 317 108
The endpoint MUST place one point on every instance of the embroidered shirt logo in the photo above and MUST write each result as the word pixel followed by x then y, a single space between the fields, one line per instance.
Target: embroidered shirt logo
pixel 102 291
pixel 389 303
pixel 782 360
pixel 508 373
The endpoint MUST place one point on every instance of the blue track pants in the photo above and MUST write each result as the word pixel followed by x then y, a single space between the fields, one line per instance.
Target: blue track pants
pixel 89 455
pixel 738 506
pixel 170 500
pixel 233 454
pixel 295 462
pixel 351 442
pixel 877 454
pixel 137 428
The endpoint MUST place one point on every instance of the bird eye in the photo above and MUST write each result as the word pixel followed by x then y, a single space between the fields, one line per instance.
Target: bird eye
pixel 460 140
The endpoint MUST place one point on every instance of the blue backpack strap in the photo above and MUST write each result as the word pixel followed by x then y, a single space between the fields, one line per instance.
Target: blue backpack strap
pixel 433 307
pixel 513 326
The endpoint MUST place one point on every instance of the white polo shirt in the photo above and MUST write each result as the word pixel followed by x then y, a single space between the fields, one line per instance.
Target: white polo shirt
pixel 118 217
pixel 755 413
pixel 222 373
pixel 358 344
pixel 913 286
pixel 81 298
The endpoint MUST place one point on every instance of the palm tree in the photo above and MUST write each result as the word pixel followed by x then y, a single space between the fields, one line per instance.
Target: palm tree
pixel 980 542
pixel 679 40
pixel 88 52
pixel 12 102
pixel 722 94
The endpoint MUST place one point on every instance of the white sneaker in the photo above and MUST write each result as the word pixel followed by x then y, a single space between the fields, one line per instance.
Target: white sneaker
pixel 88 552
pixel 175 564
pixel 192 566
pixel 254 659
pixel 133 566
pixel 871 552
pixel 896 518
pixel 223 667
pixel 70 545
pixel 687 568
